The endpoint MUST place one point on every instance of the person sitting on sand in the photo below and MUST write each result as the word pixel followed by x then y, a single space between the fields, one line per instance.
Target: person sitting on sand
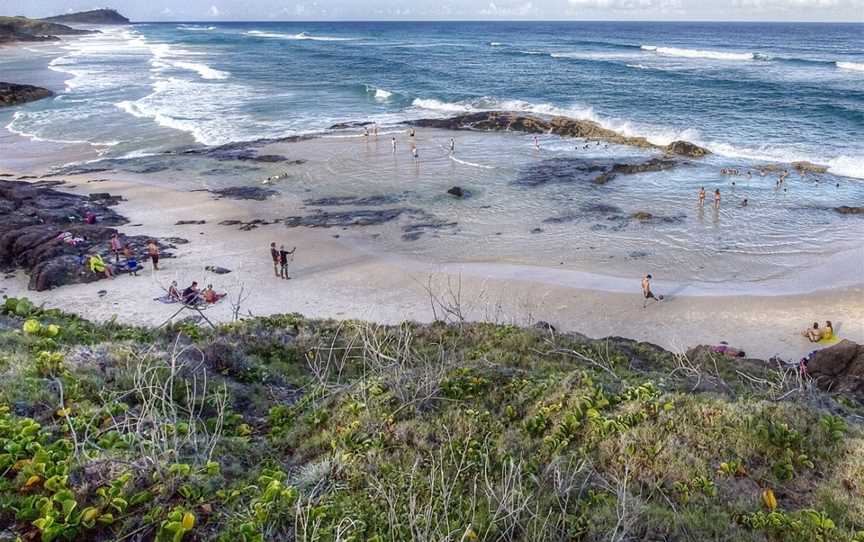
pixel 131 260
pixel 98 265
pixel 173 292
pixel 814 333
pixel 702 196
pixel 210 296
pixel 828 331
pixel 191 295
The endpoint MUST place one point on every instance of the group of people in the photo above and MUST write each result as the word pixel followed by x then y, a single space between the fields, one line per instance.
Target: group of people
pixel 194 296
pixel 281 259
pixel 131 263
pixel 816 333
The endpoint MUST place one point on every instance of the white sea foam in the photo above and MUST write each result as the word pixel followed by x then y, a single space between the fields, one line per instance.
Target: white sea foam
pixel 196 28
pixel 638 66
pixel 205 71
pixel 495 44
pixel 300 36
pixel 847 166
pixel 697 53
pixel 533 53
pixel 470 164
pixel 854 66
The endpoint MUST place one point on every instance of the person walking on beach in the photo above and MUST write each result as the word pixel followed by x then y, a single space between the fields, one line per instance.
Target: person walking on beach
pixel 717 198
pixel 702 196
pixel 153 252
pixel 116 247
pixel 284 260
pixel 646 290
pixel 274 254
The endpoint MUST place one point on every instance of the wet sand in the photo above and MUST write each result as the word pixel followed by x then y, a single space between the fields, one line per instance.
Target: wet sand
pixel 334 278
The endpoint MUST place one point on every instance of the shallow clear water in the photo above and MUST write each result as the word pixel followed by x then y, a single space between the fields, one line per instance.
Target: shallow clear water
pixel 753 93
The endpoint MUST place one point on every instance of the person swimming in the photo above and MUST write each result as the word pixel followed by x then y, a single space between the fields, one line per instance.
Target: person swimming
pixel 744 203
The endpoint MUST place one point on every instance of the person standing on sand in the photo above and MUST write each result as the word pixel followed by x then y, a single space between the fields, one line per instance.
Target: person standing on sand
pixel 452 146
pixel 116 246
pixel 646 290
pixel 717 198
pixel 283 261
pixel 153 252
pixel 702 196
pixel 274 254
pixel 393 143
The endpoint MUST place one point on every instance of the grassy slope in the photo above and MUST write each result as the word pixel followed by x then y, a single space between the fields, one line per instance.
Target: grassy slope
pixel 284 428
pixel 34 27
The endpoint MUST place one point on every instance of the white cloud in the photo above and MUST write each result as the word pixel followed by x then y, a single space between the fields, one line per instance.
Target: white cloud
pixel 214 11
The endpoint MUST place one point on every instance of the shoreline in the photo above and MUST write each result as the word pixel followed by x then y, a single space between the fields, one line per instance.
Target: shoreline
pixel 334 280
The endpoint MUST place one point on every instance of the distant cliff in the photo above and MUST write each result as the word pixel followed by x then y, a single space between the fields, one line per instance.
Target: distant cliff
pixel 24 29
pixel 96 16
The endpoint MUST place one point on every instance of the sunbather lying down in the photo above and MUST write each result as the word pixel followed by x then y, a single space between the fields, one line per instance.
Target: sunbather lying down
pixel 727 350
pixel 816 333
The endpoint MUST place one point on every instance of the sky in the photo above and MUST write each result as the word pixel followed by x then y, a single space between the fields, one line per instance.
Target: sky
pixel 261 10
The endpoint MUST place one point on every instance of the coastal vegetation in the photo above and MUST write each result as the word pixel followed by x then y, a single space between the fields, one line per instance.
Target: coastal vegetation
pixel 286 428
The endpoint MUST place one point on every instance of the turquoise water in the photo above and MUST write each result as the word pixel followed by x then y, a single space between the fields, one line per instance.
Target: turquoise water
pixel 753 93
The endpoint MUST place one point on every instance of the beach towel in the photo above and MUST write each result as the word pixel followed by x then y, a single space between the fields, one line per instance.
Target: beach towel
pixel 167 299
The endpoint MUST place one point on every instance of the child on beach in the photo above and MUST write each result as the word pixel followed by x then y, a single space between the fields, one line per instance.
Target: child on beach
pixel 115 246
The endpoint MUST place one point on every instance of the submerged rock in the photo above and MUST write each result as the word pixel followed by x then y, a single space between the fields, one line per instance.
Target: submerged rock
pixel 584 170
pixel 13 94
pixel 358 217
pixel 685 148
pixel 245 192
pixel 809 167
pixel 359 201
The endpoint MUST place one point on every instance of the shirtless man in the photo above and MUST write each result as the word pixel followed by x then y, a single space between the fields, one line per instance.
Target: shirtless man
pixel 153 252
pixel 646 290
pixel 702 196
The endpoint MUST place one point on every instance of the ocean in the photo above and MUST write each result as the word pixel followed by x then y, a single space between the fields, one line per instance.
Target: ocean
pixel 752 93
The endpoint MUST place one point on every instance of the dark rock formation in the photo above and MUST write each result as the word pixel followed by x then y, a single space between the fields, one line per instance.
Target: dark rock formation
pixel 346 125
pixel 809 167
pixel 562 126
pixel 459 192
pixel 217 269
pixel 23 29
pixel 839 368
pixel 597 171
pixel 245 192
pixel 654 164
pixel 359 217
pixel 846 210
pixel 32 216
pixel 190 222
pixel 12 94
pixel 95 16
pixel 358 201
pixel 642 215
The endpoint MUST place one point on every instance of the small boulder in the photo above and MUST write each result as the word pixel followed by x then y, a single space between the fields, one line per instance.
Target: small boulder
pixel 458 192
pixel 846 210
pixel 685 148
pixel 839 368
pixel 642 215
pixel 216 269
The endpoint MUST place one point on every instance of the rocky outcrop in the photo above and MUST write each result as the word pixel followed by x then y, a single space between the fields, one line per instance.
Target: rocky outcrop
pixel 23 29
pixel 839 368
pixel 95 16
pixel 459 192
pixel 809 167
pixel 244 192
pixel 33 216
pixel 846 210
pixel 563 126
pixel 575 170
pixel 12 94
pixel 655 164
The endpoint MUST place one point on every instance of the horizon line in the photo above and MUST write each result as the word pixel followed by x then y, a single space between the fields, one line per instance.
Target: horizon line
pixel 431 20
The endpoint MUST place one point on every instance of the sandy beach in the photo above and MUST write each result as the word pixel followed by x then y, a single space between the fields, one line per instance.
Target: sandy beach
pixel 333 280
